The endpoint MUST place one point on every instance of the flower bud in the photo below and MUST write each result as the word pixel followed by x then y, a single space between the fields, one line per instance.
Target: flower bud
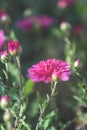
pixel 76 63
pixel 7 116
pixel 56 76
pixel 14 48
pixel 4 102
pixel 4 56
pixel 65 26
pixel 4 17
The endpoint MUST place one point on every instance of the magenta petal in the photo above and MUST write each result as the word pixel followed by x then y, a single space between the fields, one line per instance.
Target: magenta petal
pixel 44 70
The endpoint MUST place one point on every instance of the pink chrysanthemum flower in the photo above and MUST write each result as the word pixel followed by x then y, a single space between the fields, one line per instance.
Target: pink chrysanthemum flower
pixel 2 38
pixel 45 70
pixel 14 47
pixel 28 23
pixel 65 3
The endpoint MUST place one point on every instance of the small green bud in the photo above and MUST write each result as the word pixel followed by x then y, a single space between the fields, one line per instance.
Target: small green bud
pixel 7 116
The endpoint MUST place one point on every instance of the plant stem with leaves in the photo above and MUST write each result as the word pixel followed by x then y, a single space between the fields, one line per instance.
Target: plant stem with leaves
pixel 49 99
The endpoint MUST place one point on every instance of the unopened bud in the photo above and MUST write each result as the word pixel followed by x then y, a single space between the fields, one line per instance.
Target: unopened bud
pixel 4 17
pixel 76 63
pixel 55 76
pixel 7 116
pixel 5 102
pixel 14 48
pixel 65 26
pixel 4 56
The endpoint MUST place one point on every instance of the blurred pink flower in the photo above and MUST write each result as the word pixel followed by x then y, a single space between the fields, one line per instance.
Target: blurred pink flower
pixel 2 38
pixel 65 3
pixel 14 47
pixel 78 30
pixel 28 23
pixel 44 70
pixel 3 15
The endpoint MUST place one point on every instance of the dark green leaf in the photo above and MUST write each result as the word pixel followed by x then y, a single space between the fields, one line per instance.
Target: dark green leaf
pixel 28 88
pixel 47 120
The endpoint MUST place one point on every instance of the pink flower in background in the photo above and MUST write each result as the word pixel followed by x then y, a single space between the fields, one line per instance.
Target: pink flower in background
pixel 28 23
pixel 44 21
pixel 3 15
pixel 78 30
pixel 66 3
pixel 25 24
pixel 14 47
pixel 44 70
pixel 2 38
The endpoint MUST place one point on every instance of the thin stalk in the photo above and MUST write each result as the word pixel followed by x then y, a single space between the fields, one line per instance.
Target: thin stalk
pixel 20 78
pixel 7 75
pixel 6 71
pixel 53 88
pixel 48 99
pixel 9 126
pixel 17 62
pixel 82 80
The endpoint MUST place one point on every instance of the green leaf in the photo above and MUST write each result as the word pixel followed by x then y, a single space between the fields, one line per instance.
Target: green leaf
pixel 13 70
pixel 2 89
pixel 47 120
pixel 22 109
pixel 2 127
pixel 28 88
pixel 33 109
pixel 82 100
pixel 26 125
pixel 12 93
pixel 51 128
pixel 64 126
pixel 83 116
pixel 12 35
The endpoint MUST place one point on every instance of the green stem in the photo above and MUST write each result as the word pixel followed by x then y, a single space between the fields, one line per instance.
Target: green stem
pixel 9 126
pixel 20 78
pixel 42 110
pixel 6 71
pixel 7 77
pixel 17 62
pixel 20 73
pixel 82 80
pixel 53 88
pixel 48 99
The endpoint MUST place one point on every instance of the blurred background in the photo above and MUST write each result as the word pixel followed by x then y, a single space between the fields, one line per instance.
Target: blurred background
pixel 37 24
